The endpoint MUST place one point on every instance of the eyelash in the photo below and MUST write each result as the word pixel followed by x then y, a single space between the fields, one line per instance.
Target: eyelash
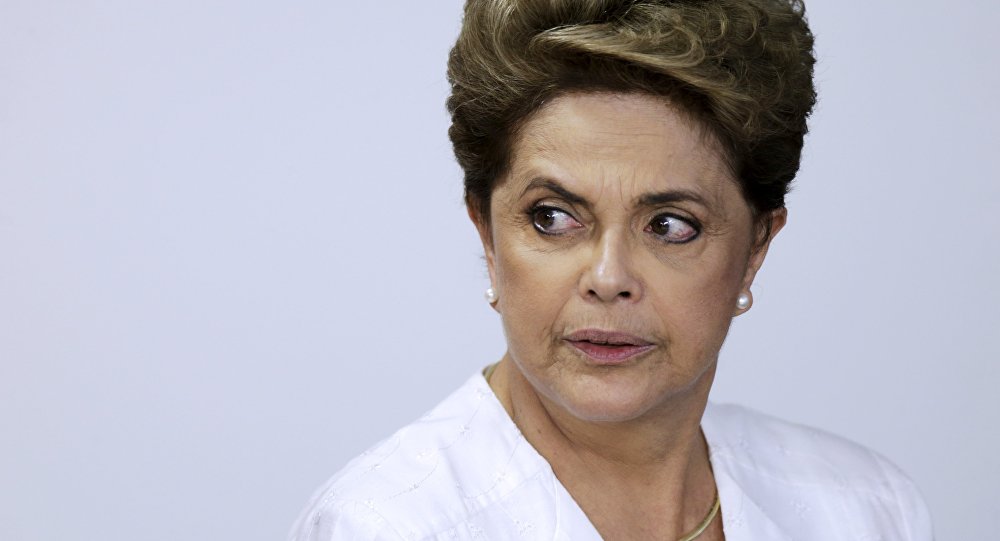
pixel 693 224
pixel 535 211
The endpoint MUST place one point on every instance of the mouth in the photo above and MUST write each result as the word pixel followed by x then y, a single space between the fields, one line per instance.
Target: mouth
pixel 608 347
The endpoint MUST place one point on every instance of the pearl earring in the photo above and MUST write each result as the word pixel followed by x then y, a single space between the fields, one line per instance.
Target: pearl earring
pixel 491 295
pixel 743 301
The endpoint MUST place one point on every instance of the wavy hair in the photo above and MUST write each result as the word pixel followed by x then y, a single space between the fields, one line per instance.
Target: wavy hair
pixel 742 68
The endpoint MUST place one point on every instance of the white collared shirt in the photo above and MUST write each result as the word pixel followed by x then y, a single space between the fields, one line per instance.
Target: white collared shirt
pixel 464 471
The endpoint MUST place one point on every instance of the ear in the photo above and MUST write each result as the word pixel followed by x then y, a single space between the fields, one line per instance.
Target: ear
pixel 486 238
pixel 770 225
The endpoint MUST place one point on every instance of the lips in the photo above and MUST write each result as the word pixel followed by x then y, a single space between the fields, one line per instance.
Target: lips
pixel 608 347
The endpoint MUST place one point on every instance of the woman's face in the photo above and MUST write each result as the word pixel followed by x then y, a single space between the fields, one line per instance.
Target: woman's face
pixel 618 245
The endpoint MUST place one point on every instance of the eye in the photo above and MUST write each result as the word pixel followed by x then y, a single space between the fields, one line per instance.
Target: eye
pixel 672 229
pixel 552 221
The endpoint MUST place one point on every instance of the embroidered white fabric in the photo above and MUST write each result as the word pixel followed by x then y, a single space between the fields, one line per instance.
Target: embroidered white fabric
pixel 464 471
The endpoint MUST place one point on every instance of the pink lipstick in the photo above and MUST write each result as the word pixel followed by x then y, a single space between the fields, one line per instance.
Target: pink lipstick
pixel 608 347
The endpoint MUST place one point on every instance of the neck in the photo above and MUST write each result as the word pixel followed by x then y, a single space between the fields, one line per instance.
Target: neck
pixel 659 459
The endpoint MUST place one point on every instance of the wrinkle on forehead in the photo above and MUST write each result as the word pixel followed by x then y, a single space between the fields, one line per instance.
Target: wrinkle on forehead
pixel 565 134
pixel 532 135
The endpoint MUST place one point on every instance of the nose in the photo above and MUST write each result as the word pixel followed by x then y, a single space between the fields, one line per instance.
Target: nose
pixel 610 274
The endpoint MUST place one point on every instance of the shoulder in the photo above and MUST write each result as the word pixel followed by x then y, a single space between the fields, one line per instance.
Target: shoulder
pixel 770 444
pixel 794 471
pixel 428 478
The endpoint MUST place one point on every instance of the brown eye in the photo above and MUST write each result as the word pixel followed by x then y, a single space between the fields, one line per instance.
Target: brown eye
pixel 672 229
pixel 552 221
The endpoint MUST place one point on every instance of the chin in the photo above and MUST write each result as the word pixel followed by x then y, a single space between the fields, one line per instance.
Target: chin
pixel 610 397
pixel 605 412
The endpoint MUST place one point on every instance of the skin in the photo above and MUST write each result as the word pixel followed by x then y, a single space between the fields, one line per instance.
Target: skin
pixel 624 439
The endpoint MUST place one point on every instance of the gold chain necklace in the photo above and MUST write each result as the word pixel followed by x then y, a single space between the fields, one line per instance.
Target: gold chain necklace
pixel 708 520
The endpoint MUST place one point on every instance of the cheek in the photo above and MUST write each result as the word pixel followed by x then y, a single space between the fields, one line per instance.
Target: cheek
pixel 533 286
pixel 695 302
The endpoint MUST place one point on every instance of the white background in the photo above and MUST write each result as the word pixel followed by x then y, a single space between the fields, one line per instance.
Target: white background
pixel 233 254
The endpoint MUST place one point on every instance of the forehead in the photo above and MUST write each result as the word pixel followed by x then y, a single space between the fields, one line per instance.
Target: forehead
pixel 632 142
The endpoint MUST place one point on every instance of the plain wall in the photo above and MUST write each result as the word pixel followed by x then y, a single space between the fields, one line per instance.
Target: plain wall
pixel 233 254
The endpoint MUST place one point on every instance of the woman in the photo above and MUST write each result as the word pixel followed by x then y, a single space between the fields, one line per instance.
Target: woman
pixel 625 164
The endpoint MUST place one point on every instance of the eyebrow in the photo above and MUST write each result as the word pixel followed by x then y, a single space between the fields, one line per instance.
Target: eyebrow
pixel 647 200
pixel 672 196
pixel 542 183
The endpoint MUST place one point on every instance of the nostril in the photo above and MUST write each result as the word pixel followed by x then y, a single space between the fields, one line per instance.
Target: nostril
pixel 621 294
